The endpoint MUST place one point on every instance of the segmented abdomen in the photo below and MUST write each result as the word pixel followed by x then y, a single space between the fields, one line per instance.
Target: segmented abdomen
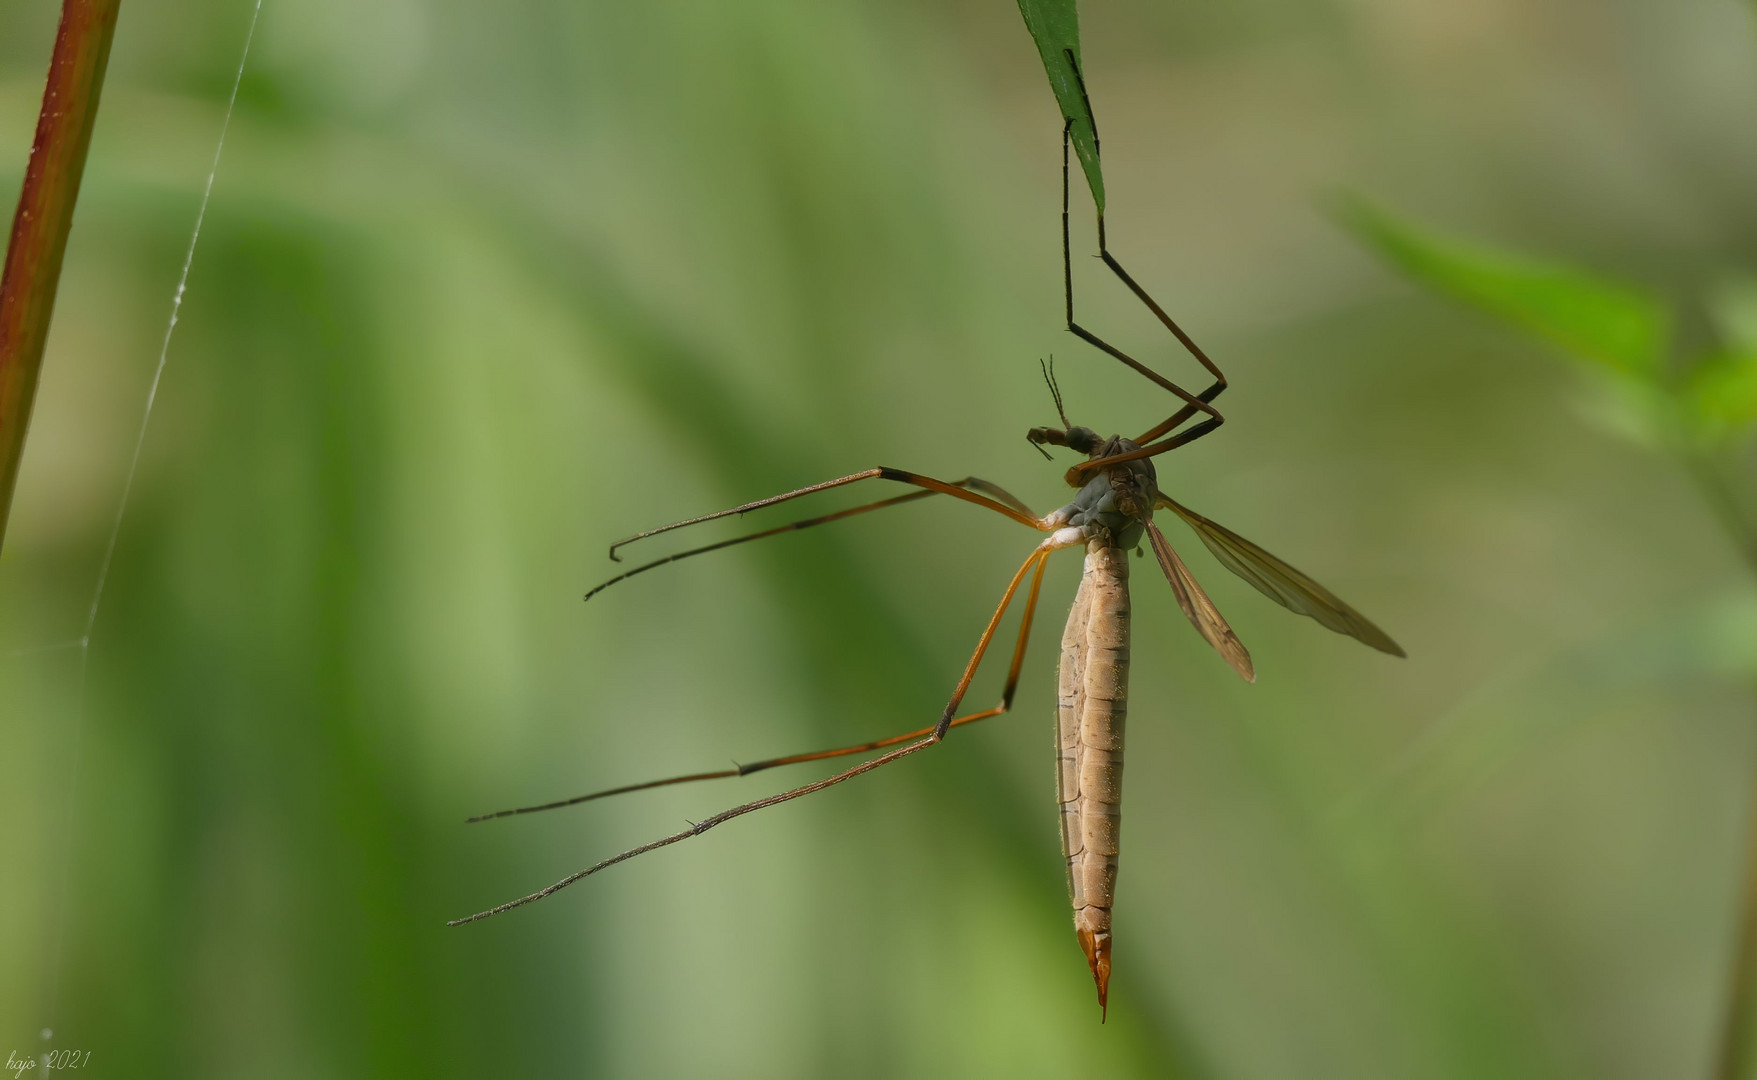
pixel 1093 706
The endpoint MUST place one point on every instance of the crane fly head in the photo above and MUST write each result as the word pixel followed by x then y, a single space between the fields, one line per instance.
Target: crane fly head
pixel 1081 439
pixel 1117 499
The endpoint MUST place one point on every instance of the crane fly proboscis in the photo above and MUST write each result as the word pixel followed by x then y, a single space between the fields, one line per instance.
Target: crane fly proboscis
pixel 1113 510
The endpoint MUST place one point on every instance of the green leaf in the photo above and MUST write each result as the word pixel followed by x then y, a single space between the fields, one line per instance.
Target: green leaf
pixel 1722 393
pixel 1606 322
pixel 1055 26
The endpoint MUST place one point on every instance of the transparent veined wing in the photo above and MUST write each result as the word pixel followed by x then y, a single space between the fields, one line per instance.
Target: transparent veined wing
pixel 1200 610
pixel 1281 582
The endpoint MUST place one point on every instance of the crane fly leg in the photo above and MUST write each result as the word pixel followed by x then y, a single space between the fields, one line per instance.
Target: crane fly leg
pixel 1061 538
pixel 1193 403
pixel 1006 703
pixel 1076 475
pixel 1006 504
pixel 1065 537
pixel 970 482
pixel 1176 419
pixel 1189 343
pixel 1214 390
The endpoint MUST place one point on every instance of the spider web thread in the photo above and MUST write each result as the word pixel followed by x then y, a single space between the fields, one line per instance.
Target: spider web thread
pixel 83 643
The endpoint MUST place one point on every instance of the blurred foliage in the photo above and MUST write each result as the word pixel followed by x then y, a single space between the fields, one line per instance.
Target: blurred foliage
pixel 1620 333
pixel 1700 409
pixel 483 289
pixel 1721 389
pixel 1604 322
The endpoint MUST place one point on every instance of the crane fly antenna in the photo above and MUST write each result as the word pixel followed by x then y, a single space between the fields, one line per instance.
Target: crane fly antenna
pixel 1055 393
pixel 1006 703
pixel 1054 390
pixel 938 732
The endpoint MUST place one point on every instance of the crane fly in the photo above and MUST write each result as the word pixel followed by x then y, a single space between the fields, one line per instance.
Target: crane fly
pixel 1112 511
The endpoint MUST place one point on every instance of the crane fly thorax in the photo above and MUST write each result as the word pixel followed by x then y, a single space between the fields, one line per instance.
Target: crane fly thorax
pixel 1118 500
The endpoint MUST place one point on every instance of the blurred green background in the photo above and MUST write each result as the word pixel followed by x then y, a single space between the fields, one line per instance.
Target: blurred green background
pixel 484 287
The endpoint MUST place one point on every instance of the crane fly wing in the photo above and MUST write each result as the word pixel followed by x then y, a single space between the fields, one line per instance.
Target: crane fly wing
pixel 996 492
pixel 1281 582
pixel 1200 610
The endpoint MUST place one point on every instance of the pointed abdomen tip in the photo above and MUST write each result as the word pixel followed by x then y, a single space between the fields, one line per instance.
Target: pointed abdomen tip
pixel 1096 944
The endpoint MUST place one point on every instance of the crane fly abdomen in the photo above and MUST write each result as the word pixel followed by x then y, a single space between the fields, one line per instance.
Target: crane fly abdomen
pixel 1092 710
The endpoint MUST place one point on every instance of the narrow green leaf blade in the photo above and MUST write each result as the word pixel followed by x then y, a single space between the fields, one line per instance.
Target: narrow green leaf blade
pixel 1055 26
pixel 1606 322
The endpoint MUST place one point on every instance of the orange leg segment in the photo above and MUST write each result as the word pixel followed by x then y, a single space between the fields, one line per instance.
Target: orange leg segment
pixel 920 741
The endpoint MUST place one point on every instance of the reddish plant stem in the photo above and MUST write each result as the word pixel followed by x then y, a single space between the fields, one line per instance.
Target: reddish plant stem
pixel 44 217
pixel 1738 1035
pixel 1735 1052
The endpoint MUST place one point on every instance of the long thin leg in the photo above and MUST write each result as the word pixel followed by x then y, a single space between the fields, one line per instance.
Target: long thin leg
pixel 1182 438
pixel 1213 391
pixel 968 482
pixel 1189 343
pixel 938 733
pixel 1180 416
pixel 1011 508
pixel 1006 703
pixel 1078 474
pixel 1192 402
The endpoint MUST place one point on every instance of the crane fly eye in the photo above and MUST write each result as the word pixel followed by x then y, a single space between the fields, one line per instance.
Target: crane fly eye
pixel 1083 439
